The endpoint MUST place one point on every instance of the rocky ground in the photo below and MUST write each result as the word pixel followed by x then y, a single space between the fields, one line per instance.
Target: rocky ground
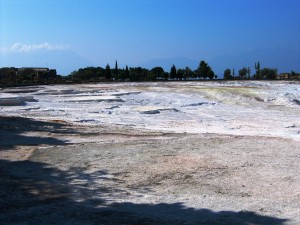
pixel 56 168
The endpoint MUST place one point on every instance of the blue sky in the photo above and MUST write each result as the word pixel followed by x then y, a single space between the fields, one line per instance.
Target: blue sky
pixel 225 33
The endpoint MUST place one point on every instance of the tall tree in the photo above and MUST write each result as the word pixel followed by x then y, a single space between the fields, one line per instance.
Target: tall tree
pixel 257 71
pixel 243 73
pixel 173 72
pixel 126 73
pixel 166 75
pixel 268 73
pixel 188 73
pixel 107 72
pixel 204 71
pixel 210 73
pixel 138 74
pixel 100 73
pixel 257 66
pixel 180 74
pixel 227 74
pixel 157 72
pixel 248 73
pixel 116 70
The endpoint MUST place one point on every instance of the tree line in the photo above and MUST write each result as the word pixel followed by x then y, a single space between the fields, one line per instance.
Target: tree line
pixel 204 71
pixel 95 74
pixel 259 74
pixel 245 73
pixel 27 76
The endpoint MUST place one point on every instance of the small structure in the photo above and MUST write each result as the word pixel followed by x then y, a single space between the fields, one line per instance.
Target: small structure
pixel 8 75
pixel 283 76
pixel 26 75
pixel 289 76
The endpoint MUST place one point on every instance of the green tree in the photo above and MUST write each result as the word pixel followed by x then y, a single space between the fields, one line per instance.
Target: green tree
pixel 126 73
pixel 227 74
pixel 180 74
pixel 210 73
pixel 173 72
pixel 87 74
pixel 116 71
pixel 108 72
pixel 100 73
pixel 204 71
pixel 27 75
pixel 151 76
pixel 248 73
pixel 138 74
pixel 257 66
pixel 8 75
pixel 166 75
pixel 268 73
pixel 157 72
pixel 257 71
pixel 188 73
pixel 243 73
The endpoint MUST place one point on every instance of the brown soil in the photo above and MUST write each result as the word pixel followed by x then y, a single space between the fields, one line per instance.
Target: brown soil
pixel 59 173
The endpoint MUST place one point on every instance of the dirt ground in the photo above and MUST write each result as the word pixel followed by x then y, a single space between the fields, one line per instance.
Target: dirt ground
pixel 57 173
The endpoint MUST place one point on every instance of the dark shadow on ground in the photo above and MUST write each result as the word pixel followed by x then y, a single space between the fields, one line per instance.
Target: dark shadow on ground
pixel 36 193
pixel 13 130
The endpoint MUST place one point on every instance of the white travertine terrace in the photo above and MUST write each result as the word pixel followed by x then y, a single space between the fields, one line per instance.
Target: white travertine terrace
pixel 255 108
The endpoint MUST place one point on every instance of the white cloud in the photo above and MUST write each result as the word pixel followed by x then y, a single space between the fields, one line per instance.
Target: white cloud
pixel 21 47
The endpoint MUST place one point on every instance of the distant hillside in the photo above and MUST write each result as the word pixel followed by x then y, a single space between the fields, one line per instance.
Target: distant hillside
pixel 64 61
pixel 166 63
pixel 284 61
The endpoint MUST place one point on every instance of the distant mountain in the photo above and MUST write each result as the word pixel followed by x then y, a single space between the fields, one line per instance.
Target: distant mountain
pixel 166 63
pixel 283 60
pixel 64 61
